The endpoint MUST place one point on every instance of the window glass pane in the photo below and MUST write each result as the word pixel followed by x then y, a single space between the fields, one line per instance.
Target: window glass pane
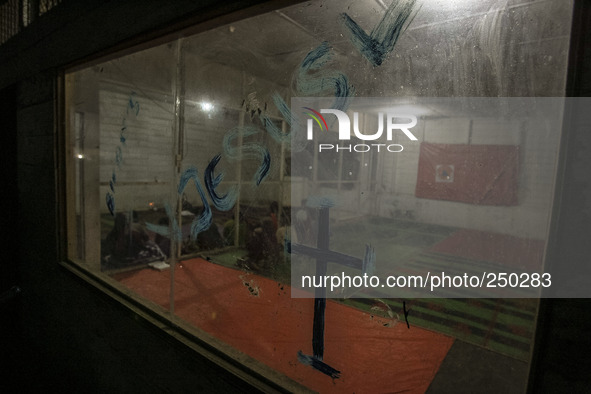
pixel 121 158
pixel 182 185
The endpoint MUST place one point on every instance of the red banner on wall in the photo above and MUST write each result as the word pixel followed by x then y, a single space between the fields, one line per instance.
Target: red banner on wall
pixel 474 174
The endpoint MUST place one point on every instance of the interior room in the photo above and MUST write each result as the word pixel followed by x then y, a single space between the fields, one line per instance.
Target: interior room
pixel 179 177
pixel 181 162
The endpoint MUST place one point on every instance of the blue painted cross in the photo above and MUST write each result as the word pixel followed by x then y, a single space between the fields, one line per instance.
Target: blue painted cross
pixel 323 256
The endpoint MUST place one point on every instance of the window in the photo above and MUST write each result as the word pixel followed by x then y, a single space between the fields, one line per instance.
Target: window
pixel 184 187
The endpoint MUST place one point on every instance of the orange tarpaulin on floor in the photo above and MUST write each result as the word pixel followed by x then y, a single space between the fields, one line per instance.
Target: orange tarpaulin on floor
pixel 257 316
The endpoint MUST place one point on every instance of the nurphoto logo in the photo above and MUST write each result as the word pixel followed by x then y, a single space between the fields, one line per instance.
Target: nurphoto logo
pixel 393 122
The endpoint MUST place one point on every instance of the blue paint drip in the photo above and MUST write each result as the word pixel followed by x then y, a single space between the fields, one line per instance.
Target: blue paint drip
pixel 319 365
pixel 113 181
pixel 118 156
pixel 381 41
pixel 110 200
pixel 131 104
pixel 225 202
pixel 249 150
pixel 204 220
pixel 122 138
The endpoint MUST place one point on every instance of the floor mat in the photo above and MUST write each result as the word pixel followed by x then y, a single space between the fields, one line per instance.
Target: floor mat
pixel 258 316
pixel 503 325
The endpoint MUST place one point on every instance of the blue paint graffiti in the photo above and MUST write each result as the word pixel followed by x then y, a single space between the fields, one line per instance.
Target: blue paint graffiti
pixel 275 132
pixel 113 181
pixel 134 105
pixel 225 202
pixel 382 39
pixel 248 150
pixel 319 365
pixel 203 221
pixel 375 47
pixel 312 80
pixel 110 200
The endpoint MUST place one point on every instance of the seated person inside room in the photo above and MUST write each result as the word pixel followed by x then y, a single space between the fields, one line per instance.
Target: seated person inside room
pixel 261 241
pixel 128 243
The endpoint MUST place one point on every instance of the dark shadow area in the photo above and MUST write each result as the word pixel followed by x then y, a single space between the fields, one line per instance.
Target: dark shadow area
pixel 472 369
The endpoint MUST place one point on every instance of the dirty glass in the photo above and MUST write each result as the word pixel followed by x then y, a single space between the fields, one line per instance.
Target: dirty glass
pixel 182 188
